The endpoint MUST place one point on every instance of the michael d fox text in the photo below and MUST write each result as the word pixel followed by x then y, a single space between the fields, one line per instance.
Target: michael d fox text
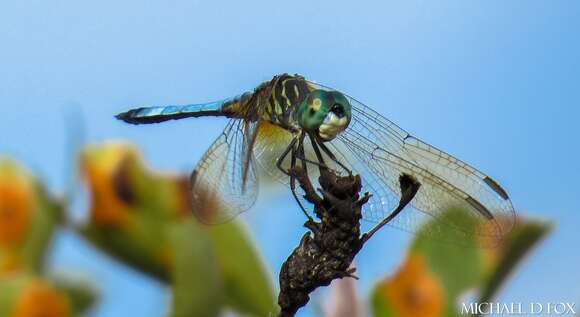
pixel 523 309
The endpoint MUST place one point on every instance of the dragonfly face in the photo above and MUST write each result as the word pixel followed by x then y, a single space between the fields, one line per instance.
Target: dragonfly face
pixel 325 113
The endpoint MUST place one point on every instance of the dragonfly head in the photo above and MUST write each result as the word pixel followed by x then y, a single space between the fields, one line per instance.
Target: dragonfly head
pixel 326 113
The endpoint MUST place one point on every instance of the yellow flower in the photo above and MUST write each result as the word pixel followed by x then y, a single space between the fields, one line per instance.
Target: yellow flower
pixel 101 166
pixel 17 204
pixel 414 291
pixel 39 299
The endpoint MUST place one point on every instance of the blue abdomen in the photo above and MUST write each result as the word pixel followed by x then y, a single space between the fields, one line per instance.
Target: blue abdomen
pixel 146 115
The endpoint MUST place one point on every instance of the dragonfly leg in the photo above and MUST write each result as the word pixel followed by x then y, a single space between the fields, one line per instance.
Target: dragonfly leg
pixel 332 156
pixel 291 149
pixel 409 187
pixel 302 157
pixel 317 152
pixel 282 157
pixel 322 165
pixel 293 180
pixel 304 160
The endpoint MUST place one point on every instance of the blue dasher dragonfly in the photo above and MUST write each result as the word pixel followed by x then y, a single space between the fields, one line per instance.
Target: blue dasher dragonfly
pixel 290 120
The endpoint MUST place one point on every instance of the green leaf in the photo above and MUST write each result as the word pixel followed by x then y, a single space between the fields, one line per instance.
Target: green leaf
pixel 9 286
pixel 516 246
pixel 248 284
pixel 140 245
pixel 196 283
pixel 456 265
pixel 40 234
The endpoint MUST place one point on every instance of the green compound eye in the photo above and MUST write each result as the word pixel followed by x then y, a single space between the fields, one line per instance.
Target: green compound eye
pixel 329 109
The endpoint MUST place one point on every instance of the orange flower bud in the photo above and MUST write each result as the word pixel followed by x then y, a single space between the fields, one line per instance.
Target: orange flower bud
pixel 17 203
pixel 414 291
pixel 101 166
pixel 38 298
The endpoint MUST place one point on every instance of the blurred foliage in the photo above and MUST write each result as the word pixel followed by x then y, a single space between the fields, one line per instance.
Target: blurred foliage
pixel 436 275
pixel 144 219
pixel 28 219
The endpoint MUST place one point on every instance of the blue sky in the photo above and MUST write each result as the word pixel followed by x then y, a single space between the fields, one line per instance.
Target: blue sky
pixel 492 82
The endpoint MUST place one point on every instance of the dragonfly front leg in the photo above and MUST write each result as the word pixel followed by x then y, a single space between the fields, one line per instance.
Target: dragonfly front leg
pixel 292 148
pixel 301 156
pixel 293 179
pixel 316 142
pixel 332 156
pixel 321 165
pixel 282 157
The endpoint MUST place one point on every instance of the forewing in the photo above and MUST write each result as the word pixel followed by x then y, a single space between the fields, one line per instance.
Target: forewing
pixel 224 182
pixel 382 151
pixel 441 189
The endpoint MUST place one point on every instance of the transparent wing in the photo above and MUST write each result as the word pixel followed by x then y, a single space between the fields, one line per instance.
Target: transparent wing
pixel 381 151
pixel 271 141
pixel 224 182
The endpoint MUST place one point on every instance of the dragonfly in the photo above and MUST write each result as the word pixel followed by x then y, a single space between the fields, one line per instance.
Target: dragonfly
pixel 290 121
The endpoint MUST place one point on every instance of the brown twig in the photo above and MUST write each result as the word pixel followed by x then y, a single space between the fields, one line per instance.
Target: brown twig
pixel 325 253
pixel 409 188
